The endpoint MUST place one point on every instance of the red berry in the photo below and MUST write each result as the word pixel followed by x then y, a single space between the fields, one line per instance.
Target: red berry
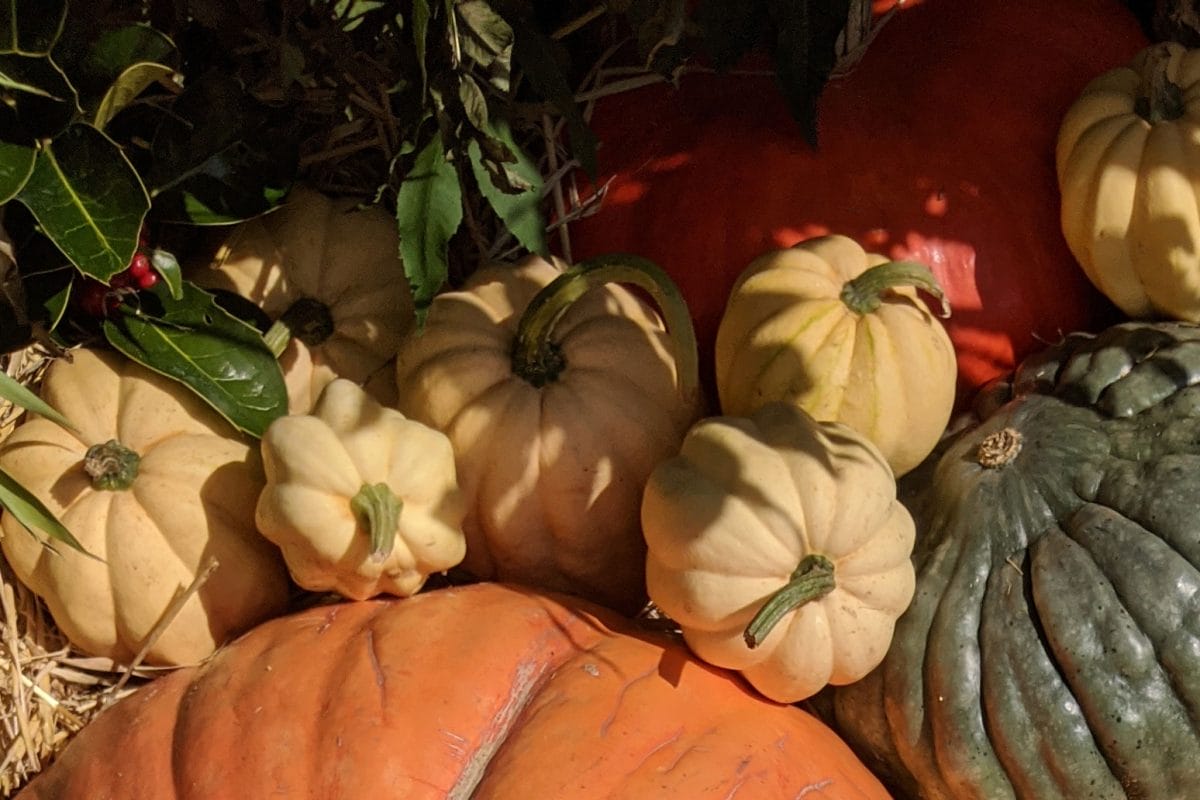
pixel 147 280
pixel 140 265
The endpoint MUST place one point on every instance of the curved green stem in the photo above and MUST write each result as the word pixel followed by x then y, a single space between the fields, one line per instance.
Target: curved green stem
pixel 863 294
pixel 378 509
pixel 112 466
pixel 307 319
pixel 812 580
pixel 1159 98
pixel 539 361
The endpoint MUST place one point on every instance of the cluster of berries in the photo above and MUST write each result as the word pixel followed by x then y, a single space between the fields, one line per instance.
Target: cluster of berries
pixel 96 299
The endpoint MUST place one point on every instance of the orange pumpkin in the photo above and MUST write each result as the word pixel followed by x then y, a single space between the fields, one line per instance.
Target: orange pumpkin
pixel 484 691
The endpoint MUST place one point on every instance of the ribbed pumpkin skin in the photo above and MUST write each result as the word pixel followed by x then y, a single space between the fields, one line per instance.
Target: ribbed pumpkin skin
pixel 938 146
pixel 1053 646
pixel 483 692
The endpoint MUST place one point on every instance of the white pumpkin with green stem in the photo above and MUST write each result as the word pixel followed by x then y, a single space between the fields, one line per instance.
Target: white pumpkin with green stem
pixel 778 545
pixel 361 500
pixel 560 392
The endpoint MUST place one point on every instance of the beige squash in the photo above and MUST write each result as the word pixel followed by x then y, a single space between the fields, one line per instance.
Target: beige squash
pixel 331 273
pixel 778 545
pixel 559 398
pixel 153 485
pixel 361 500
pixel 843 334
pixel 1127 157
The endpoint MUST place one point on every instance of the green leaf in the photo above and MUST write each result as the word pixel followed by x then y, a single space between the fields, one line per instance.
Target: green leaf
pixel 125 89
pixel 219 357
pixel 115 51
pixel 17 394
pixel 535 52
pixel 521 212
pixel 730 30
pixel 806 33
pixel 32 513
pixel 88 199
pixel 420 27
pixel 16 165
pixel 428 212
pixel 167 267
pixel 474 102
pixel 56 305
pixel 31 26
pixel 484 35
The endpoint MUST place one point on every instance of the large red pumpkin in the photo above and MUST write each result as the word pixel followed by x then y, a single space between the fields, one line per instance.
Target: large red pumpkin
pixel 939 146
pixel 484 692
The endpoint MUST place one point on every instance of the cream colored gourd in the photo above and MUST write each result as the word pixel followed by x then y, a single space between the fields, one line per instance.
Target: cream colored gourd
pixel 1126 156
pixel 843 334
pixel 329 274
pixel 559 396
pixel 181 488
pixel 778 545
pixel 361 500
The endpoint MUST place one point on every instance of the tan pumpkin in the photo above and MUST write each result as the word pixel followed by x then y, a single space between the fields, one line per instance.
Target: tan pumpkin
pixel 1126 157
pixel 361 500
pixel 153 485
pixel 559 396
pixel 843 334
pixel 329 275
pixel 778 545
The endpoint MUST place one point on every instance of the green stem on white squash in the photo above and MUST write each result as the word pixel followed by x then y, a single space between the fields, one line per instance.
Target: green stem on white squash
pixel 864 294
pixel 539 360
pixel 378 509
pixel 812 580
pixel 307 319
pixel 112 466
pixel 1159 98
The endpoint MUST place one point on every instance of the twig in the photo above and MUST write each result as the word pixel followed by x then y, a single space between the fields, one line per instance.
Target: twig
pixel 11 637
pixel 560 207
pixel 577 23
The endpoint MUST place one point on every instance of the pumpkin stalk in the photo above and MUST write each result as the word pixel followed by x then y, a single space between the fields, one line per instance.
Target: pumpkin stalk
pixel 1159 98
pixel 112 466
pixel 378 508
pixel 539 360
pixel 307 319
pixel 812 580
pixel 864 294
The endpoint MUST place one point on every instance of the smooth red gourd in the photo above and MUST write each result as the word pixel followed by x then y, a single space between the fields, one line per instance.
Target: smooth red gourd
pixel 485 692
pixel 938 146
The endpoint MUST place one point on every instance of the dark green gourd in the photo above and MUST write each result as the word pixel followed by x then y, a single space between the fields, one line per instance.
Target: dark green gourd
pixel 1052 649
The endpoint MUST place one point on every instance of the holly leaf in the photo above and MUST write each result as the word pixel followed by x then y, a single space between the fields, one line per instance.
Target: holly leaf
pixel 167 267
pixel 125 89
pixel 38 100
pixel 33 515
pixel 88 199
pixel 806 34
pixel 196 342
pixel 428 213
pixel 31 27
pixel 16 165
pixel 730 30
pixel 520 211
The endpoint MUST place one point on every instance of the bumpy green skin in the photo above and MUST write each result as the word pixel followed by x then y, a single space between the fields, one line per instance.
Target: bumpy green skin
pixel 1052 649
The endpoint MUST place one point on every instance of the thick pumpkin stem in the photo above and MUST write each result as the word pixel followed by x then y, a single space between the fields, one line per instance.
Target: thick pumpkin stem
pixel 864 294
pixel 112 466
pixel 999 448
pixel 812 580
pixel 378 509
pixel 307 319
pixel 539 360
pixel 1159 98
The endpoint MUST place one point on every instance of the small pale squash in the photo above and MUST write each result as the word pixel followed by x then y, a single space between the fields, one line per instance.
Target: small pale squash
pixel 1126 155
pixel 778 545
pixel 361 500
pixel 154 483
pixel 560 394
pixel 486 692
pixel 843 334
pixel 329 276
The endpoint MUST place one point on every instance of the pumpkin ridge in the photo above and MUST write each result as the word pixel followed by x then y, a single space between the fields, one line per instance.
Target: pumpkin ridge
pixel 784 347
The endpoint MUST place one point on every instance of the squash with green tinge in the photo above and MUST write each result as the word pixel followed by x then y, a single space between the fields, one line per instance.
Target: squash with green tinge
pixel 1052 650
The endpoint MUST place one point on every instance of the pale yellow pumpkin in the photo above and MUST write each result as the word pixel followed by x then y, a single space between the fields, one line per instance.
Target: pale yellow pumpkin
pixel 361 500
pixel 556 423
pixel 1127 157
pixel 843 334
pixel 778 545
pixel 329 272
pixel 181 488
